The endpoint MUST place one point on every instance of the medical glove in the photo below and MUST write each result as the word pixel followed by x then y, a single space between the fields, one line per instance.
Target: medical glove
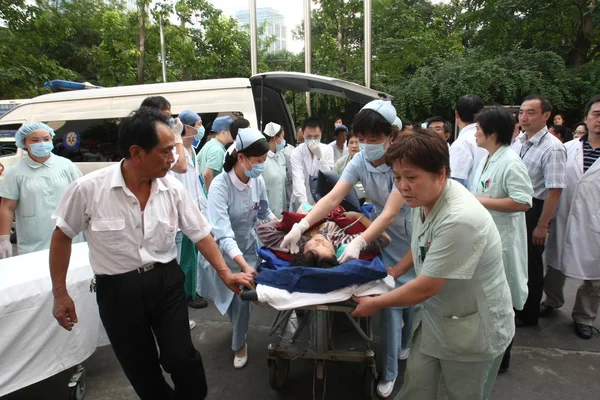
pixel 290 241
pixel 177 130
pixel 352 251
pixel 5 247
pixel 314 147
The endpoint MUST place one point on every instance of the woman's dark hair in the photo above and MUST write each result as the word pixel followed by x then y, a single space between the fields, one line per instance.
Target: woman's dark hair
pixel 422 148
pixel 371 123
pixel 311 259
pixel 497 120
pixel 581 124
pixel 236 125
pixel 139 129
pixel 560 131
pixel 156 102
pixel 349 136
pixel 256 149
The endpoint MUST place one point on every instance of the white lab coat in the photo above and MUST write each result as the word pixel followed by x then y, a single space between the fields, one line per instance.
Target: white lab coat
pixel 305 165
pixel 573 245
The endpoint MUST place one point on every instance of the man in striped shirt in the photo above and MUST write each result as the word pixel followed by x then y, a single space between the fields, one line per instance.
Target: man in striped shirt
pixel 574 238
pixel 544 155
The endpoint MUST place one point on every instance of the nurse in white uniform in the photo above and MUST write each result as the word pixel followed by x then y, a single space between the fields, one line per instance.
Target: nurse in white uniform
pixel 32 189
pixel 275 174
pixel 236 199
pixel 373 126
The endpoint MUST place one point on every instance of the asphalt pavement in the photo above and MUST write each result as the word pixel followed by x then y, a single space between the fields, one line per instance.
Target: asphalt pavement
pixel 549 363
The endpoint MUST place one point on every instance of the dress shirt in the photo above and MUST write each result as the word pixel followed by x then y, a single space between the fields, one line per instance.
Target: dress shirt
pixel 121 237
pixel 545 157
pixel 465 156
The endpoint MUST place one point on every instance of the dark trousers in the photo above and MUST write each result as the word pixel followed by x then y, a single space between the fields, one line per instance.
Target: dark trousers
pixel 535 268
pixel 140 311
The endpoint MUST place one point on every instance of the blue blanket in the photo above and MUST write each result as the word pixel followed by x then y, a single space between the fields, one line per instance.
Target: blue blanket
pixel 278 273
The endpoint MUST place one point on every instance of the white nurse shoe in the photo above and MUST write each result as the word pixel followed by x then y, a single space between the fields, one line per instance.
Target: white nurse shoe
pixel 239 362
pixel 385 388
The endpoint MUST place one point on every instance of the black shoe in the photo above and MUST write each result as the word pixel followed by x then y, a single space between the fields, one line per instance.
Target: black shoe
pixel 546 310
pixel 198 302
pixel 586 331
pixel 519 323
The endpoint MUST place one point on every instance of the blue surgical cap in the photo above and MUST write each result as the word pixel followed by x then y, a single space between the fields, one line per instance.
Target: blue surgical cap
pixel 28 129
pixel 189 117
pixel 222 124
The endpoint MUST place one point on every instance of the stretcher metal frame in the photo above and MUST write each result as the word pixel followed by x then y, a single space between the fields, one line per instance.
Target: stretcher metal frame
pixel 320 348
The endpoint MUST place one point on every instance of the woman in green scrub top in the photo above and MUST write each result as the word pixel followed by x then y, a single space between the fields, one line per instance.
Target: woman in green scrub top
pixel 464 319
pixel 502 185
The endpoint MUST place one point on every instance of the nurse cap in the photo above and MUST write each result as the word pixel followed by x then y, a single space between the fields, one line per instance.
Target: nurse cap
pixel 272 129
pixel 246 137
pixel 383 108
pixel 398 123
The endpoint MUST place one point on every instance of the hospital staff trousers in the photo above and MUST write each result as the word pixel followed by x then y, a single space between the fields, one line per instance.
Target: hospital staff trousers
pixel 463 380
pixel 587 300
pixel 395 326
pixel 141 310
pixel 239 315
pixel 535 268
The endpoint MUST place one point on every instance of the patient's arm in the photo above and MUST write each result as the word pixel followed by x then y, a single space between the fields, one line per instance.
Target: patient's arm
pixel 272 237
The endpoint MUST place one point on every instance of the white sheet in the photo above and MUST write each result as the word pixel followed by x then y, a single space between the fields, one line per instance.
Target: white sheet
pixel 33 346
pixel 283 300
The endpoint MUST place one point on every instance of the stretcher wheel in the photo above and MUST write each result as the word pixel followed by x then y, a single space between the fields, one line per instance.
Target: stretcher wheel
pixel 370 375
pixel 279 369
pixel 78 391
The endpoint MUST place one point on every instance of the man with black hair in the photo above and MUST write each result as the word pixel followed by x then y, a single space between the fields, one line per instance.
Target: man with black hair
pixel 339 145
pixel 130 213
pixel 545 158
pixel 465 155
pixel 440 126
pixel 307 160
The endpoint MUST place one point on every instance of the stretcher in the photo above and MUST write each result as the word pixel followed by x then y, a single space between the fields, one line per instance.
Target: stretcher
pixel 33 347
pixel 307 332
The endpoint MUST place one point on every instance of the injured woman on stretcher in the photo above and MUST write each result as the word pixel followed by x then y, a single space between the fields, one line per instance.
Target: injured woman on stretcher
pixel 287 281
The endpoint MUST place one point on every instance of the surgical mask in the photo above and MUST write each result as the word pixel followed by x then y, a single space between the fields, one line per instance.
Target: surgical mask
pixel 171 122
pixel 41 149
pixel 256 171
pixel 280 146
pixel 199 134
pixel 309 141
pixel 372 152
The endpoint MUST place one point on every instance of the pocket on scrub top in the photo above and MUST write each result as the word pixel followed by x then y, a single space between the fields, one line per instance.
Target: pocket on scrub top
pixel 163 236
pixel 108 230
pixel 465 335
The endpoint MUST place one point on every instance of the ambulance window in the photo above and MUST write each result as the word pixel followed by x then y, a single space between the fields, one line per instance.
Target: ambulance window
pixel 93 140
pixel 7 138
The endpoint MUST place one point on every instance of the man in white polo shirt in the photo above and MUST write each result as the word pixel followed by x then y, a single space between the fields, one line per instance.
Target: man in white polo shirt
pixel 465 155
pixel 130 213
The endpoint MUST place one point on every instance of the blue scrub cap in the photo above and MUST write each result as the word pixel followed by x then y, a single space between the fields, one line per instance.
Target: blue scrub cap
pixel 246 137
pixel 28 129
pixel 189 117
pixel 222 124
pixel 383 108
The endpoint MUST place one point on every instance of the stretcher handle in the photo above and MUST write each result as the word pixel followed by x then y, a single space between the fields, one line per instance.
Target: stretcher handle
pixel 249 295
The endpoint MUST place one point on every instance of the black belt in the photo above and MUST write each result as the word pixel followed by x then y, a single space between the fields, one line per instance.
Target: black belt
pixel 140 270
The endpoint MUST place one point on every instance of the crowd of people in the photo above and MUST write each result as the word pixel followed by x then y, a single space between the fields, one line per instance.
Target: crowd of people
pixel 465 227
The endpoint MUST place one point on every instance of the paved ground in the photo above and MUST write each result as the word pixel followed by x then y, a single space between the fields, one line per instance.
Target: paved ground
pixel 549 363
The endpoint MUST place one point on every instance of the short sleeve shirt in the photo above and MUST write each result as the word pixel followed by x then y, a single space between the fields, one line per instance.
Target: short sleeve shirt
pixel 471 318
pixel 211 156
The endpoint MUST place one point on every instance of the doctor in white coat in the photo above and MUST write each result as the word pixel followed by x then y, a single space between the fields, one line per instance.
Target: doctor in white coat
pixel 307 160
pixel 574 240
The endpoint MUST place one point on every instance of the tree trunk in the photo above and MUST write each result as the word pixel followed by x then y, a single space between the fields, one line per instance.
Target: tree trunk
pixel 186 75
pixel 340 45
pixel 141 41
